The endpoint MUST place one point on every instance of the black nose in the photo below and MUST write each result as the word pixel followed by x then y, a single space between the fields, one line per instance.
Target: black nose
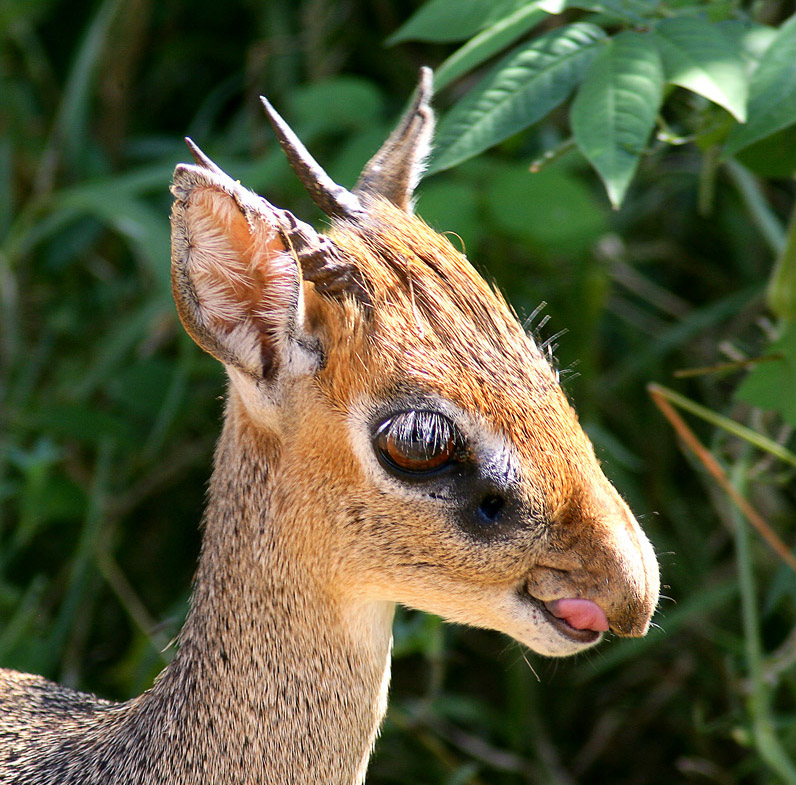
pixel 490 508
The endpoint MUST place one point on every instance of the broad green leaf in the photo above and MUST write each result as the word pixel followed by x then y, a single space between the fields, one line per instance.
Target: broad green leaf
pixel 771 384
pixel 443 20
pixel 521 89
pixel 488 42
pixel 615 109
pixel 552 210
pixel 697 56
pixel 772 92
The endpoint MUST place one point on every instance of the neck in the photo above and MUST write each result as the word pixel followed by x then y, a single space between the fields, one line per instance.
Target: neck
pixel 276 678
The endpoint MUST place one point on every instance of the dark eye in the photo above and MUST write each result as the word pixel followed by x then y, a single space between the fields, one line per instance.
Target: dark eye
pixel 417 442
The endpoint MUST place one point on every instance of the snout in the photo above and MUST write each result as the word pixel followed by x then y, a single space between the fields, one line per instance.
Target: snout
pixel 631 559
pixel 600 571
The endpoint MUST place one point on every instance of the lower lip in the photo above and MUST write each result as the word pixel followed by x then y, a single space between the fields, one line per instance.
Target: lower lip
pixel 566 629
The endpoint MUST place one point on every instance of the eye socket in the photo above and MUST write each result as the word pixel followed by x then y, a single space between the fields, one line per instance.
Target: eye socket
pixel 418 442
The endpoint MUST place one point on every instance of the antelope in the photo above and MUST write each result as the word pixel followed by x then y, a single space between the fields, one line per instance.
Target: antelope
pixel 391 435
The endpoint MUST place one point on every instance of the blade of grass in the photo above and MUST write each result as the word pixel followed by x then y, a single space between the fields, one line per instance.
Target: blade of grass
pixel 767 223
pixel 128 598
pixel 173 400
pixel 69 129
pixel 23 617
pixel 83 555
pixel 725 423
pixel 676 336
pixel 662 397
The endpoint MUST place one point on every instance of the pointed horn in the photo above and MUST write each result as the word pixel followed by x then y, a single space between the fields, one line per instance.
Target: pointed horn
pixel 332 198
pixel 322 261
pixel 397 167
pixel 201 158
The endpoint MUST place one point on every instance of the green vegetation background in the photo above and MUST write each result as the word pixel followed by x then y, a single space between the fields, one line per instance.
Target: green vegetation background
pixel 109 412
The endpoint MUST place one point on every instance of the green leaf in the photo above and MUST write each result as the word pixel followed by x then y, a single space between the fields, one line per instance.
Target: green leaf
pixel 136 221
pixel 521 89
pixel 443 20
pixel 771 384
pixel 615 109
pixel 451 205
pixel 552 210
pixel 774 156
pixel 772 92
pixel 488 42
pixel 16 14
pixel 340 103
pixel 698 57
pixel 750 39
pixel 140 386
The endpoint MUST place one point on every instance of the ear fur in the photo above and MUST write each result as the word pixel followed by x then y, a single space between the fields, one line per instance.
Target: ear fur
pixel 237 287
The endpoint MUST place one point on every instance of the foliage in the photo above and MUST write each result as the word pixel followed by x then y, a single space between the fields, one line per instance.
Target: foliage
pixel 109 412
pixel 716 51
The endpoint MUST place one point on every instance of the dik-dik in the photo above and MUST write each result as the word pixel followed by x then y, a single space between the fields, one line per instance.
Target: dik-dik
pixel 391 435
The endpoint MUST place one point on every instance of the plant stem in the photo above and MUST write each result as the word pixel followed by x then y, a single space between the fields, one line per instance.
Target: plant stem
pixel 759 704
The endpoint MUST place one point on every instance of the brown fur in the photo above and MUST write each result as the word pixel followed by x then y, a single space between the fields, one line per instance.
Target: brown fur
pixel 283 662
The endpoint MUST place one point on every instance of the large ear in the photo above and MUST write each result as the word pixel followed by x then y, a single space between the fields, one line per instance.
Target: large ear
pixel 236 283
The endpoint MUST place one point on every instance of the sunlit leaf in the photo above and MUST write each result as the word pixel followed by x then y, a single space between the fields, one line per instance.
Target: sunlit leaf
pixel 698 57
pixel 487 43
pixel 614 111
pixel 521 89
pixel 772 92
pixel 750 39
pixel 442 20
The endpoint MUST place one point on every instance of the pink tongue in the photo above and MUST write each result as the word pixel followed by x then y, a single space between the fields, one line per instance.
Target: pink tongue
pixel 580 614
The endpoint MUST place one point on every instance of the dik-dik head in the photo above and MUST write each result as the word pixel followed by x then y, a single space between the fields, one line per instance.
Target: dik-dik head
pixel 420 448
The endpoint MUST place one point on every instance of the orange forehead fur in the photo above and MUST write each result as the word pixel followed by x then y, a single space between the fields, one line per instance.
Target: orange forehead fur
pixel 434 324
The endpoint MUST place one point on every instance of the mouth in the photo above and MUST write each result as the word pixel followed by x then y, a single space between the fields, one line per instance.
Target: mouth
pixel 548 610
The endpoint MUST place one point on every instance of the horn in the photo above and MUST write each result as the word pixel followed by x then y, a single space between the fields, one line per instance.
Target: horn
pixel 322 261
pixel 332 198
pixel 397 167
pixel 201 158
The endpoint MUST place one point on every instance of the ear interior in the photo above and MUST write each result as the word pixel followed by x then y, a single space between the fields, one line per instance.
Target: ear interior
pixel 237 289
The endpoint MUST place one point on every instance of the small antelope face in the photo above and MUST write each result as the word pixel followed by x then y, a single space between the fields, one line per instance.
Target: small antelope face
pixel 427 454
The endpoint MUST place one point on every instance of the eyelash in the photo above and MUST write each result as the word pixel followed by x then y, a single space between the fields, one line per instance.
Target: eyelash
pixel 418 442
